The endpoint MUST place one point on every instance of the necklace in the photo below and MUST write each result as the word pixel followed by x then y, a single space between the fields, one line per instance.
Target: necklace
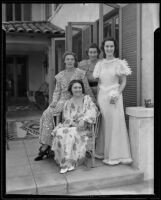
pixel 70 69
pixel 110 58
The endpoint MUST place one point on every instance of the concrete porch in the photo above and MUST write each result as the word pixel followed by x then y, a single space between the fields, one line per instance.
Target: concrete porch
pixel 25 176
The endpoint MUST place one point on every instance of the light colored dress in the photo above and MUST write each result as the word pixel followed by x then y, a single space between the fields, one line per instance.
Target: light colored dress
pixel 113 142
pixel 69 144
pixel 60 96
pixel 88 67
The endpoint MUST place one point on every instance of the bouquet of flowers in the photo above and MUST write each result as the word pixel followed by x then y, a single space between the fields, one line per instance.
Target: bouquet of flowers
pixel 113 94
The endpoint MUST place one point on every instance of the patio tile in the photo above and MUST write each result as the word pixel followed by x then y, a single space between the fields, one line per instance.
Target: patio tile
pixel 44 166
pixel 18 170
pixel 20 185
pixel 32 146
pixel 50 183
pixel 15 145
pixel 15 158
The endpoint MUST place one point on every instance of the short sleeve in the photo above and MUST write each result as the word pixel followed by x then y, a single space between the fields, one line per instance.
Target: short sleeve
pixel 97 70
pixel 123 68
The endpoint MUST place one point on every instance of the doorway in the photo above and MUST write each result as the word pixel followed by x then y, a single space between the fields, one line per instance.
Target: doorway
pixel 16 73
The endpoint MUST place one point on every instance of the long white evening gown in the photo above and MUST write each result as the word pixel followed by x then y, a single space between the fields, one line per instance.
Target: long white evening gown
pixel 113 141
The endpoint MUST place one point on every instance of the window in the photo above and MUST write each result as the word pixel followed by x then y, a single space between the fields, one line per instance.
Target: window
pixel 18 12
pixel 9 12
pixel 111 24
pixel 48 11
pixel 27 12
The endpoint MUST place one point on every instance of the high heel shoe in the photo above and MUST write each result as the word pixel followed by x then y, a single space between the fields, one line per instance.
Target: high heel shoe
pixel 42 153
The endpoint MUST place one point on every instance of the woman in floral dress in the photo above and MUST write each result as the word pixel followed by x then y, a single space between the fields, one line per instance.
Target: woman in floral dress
pixel 88 66
pixel 112 144
pixel 70 139
pixel 60 95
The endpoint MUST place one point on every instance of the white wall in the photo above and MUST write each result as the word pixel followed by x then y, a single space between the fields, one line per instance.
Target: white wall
pixel 150 22
pixel 76 13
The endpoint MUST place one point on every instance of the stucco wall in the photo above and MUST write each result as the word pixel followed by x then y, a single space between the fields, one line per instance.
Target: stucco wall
pixel 75 13
pixel 150 22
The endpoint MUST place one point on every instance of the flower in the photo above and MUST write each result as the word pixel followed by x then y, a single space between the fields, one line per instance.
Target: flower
pixel 113 93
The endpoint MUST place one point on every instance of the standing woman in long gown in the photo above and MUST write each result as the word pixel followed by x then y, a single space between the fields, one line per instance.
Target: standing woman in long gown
pixel 112 144
pixel 88 66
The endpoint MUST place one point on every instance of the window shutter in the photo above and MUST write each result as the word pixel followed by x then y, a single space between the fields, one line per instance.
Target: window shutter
pixel 129 52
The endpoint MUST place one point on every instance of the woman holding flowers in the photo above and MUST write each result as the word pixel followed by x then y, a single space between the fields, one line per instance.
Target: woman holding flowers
pixel 112 144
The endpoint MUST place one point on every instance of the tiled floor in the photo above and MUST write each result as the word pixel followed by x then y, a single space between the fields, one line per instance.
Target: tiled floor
pixel 25 176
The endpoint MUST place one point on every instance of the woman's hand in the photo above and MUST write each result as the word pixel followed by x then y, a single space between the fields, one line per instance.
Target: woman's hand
pixel 53 104
pixel 114 99
pixel 80 126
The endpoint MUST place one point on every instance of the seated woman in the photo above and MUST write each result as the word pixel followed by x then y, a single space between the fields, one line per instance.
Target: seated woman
pixel 70 139
pixel 60 96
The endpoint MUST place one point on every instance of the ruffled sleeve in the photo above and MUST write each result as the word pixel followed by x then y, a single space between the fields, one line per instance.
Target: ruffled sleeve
pixel 123 68
pixel 97 70
pixel 90 110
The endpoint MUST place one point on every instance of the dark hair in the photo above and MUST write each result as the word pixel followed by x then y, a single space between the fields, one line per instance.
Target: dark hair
pixel 103 44
pixel 72 83
pixel 93 46
pixel 73 54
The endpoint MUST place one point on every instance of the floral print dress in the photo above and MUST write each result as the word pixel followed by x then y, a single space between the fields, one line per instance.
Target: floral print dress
pixel 60 95
pixel 69 144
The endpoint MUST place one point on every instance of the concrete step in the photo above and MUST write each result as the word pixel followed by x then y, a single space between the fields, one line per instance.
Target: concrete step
pixel 102 177
pixel 91 179
pixel 25 176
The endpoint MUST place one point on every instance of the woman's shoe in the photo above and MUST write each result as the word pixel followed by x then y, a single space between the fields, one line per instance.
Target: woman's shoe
pixel 42 153
pixel 71 168
pixel 62 171
pixel 99 156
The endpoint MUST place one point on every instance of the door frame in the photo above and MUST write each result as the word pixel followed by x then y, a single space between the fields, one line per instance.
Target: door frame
pixel 68 33
pixel 52 66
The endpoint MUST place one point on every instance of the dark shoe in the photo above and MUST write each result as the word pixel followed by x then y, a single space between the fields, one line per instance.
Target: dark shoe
pixel 42 153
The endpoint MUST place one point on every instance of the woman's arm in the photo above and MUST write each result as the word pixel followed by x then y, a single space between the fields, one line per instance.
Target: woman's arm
pixel 56 94
pixel 87 88
pixel 122 83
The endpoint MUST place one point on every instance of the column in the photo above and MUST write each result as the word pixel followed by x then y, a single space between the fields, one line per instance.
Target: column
pixel 141 133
